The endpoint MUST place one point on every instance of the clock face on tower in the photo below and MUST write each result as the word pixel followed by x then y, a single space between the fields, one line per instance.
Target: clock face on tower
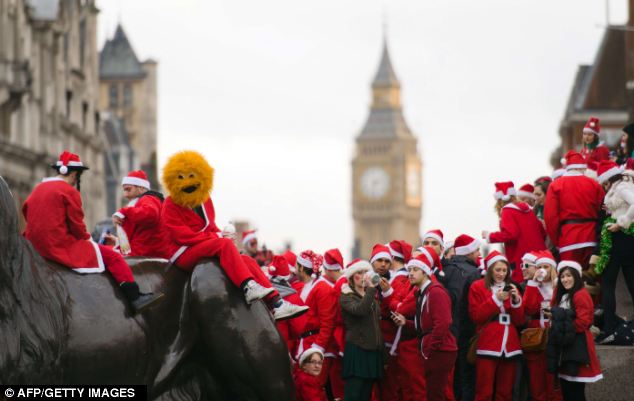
pixel 375 182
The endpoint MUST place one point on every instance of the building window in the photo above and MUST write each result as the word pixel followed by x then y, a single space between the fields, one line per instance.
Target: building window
pixel 114 96
pixel 82 43
pixel 84 115
pixel 69 103
pixel 127 95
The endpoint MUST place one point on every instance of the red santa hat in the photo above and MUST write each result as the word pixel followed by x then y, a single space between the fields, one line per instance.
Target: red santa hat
pixel 400 249
pixel 527 191
pixel 545 257
pixel 437 235
pixel 357 266
pixel 420 262
pixel 310 260
pixel 380 251
pixel 607 169
pixel 247 236
pixel 279 267
pixel 504 190
pixel 530 258
pixel 493 258
pixel 592 126
pixel 432 257
pixel 568 263
pixel 308 353
pixel 465 244
pixel 68 162
pixel 138 178
pixel 333 260
pixel 574 160
pixel 291 259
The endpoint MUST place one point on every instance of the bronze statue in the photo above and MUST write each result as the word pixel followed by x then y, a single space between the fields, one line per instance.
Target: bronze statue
pixel 202 343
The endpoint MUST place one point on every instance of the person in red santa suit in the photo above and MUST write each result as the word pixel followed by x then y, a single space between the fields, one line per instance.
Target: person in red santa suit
pixel 140 219
pixel 55 226
pixel 495 306
pixel 432 321
pixel 294 281
pixel 570 294
pixel 537 298
pixel 571 211
pixel 525 194
pixel 290 329
pixel 250 243
pixel 592 149
pixel 188 216
pixel 306 377
pixel 520 230
pixel 318 294
pixel 333 273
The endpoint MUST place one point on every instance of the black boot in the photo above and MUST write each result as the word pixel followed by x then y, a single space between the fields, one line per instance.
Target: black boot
pixel 138 300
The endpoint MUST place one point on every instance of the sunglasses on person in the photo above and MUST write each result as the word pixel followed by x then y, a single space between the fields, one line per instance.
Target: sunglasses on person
pixel 527 266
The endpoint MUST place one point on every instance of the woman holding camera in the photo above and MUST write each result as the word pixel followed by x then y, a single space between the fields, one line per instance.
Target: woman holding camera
pixel 537 298
pixel 570 294
pixel 363 355
pixel 495 306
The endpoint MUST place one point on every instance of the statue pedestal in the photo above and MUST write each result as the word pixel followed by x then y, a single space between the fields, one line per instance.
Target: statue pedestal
pixel 617 383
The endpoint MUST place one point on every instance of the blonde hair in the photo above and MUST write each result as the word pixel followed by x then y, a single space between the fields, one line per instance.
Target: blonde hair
pixel 499 204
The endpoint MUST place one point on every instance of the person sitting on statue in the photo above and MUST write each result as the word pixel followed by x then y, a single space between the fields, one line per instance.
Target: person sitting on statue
pixel 188 216
pixel 55 226
pixel 140 219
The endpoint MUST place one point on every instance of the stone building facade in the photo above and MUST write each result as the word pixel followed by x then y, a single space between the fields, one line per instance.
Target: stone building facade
pixel 49 95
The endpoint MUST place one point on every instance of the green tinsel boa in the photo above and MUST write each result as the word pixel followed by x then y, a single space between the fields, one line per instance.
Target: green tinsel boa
pixel 605 244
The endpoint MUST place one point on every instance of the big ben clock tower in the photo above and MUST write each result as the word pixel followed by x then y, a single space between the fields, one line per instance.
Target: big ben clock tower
pixel 386 170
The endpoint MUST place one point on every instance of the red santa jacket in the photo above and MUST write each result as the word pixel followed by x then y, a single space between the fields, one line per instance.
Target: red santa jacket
pixel 399 283
pixel 320 318
pixel 600 152
pixel 584 311
pixel 572 207
pixel 292 329
pixel 535 294
pixel 142 225
pixel 55 226
pixel 521 232
pixel 339 333
pixel 307 387
pixel 434 319
pixel 498 337
pixel 185 228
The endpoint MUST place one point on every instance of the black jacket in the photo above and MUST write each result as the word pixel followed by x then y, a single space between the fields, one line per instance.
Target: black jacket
pixel 566 348
pixel 460 273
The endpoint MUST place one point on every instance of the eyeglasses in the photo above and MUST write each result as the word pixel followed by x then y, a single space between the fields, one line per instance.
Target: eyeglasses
pixel 318 363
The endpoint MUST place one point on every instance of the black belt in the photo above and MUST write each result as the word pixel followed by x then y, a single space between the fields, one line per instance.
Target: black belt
pixel 309 333
pixel 578 221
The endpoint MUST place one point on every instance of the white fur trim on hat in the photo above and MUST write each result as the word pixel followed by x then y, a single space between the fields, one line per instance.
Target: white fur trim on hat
pixel 334 266
pixel 309 352
pixel 420 265
pixel 305 262
pixel 493 260
pixel 609 174
pixel 588 130
pixel 576 166
pixel 500 195
pixel 568 263
pixel 292 268
pixel 381 255
pixel 529 258
pixel 395 253
pixel 436 237
pixel 248 238
pixel 526 194
pixel 546 261
pixel 139 182
pixel 360 266
pixel 71 164
pixel 467 249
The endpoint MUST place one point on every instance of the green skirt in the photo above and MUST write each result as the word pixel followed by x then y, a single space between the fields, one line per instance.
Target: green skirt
pixel 358 362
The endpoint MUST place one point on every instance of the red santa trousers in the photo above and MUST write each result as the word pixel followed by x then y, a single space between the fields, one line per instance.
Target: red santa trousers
pixel 581 256
pixel 116 265
pixel 495 374
pixel 336 382
pixel 410 371
pixel 449 395
pixel 541 384
pixel 439 366
pixel 223 248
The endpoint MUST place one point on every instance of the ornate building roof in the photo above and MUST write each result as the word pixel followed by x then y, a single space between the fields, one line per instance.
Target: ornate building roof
pixel 117 59
pixel 386 118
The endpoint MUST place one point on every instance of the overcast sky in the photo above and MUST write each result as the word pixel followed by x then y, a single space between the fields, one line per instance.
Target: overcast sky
pixel 274 92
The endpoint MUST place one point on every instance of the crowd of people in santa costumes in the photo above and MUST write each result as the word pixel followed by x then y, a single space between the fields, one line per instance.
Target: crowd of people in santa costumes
pixel 435 320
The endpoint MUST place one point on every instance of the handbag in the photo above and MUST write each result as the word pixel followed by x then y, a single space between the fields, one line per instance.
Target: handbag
pixel 534 339
pixel 472 353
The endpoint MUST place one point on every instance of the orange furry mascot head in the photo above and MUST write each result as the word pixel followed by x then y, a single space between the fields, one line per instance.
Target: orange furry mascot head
pixel 188 178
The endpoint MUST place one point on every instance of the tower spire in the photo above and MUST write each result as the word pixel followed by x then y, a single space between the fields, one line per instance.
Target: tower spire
pixel 385 75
